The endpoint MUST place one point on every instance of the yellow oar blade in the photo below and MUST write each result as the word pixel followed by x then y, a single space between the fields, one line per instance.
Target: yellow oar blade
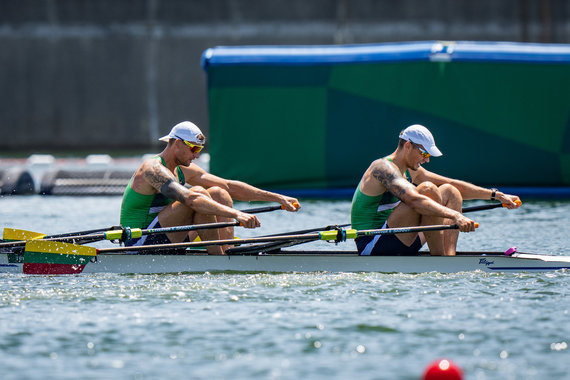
pixel 13 234
pixel 52 257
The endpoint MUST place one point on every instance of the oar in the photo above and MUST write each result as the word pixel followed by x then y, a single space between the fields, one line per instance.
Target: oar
pixel 265 247
pixel 309 230
pixel 17 238
pixel 126 233
pixel 258 210
pixel 51 257
pixel 17 235
pixel 487 206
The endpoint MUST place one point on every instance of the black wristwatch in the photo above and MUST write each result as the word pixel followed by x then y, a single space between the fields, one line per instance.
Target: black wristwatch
pixel 494 192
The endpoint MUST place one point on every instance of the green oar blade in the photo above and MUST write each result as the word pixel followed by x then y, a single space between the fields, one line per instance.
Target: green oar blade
pixel 14 234
pixel 52 257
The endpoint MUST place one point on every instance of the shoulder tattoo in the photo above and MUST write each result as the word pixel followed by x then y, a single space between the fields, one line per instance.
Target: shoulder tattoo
pixel 391 179
pixel 385 177
pixel 157 176
pixel 163 181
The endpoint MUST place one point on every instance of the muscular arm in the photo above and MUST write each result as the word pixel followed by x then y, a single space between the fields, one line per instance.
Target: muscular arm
pixel 388 175
pixel 245 192
pixel 164 182
pixel 237 189
pixel 467 190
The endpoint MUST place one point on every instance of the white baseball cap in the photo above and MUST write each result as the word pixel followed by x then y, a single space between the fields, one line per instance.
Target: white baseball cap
pixel 420 135
pixel 185 130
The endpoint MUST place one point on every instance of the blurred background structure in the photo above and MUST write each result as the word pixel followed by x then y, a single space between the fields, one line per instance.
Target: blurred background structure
pixel 112 75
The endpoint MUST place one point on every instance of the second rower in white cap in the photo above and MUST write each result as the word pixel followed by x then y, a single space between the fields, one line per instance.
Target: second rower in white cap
pixel 387 198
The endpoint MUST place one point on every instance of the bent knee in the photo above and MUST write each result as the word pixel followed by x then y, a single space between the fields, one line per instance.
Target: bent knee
pixel 450 192
pixel 429 189
pixel 201 190
pixel 220 195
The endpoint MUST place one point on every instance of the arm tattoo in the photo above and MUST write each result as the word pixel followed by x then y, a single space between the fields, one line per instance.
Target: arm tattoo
pixel 173 190
pixel 163 181
pixel 392 180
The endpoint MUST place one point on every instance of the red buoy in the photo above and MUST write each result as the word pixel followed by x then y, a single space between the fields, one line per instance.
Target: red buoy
pixel 443 369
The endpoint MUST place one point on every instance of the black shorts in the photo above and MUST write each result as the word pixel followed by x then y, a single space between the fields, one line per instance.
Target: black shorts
pixel 386 245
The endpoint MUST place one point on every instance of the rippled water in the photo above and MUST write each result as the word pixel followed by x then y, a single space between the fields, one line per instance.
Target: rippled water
pixel 287 326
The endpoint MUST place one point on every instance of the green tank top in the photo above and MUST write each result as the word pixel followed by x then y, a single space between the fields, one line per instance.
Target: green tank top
pixel 371 212
pixel 139 210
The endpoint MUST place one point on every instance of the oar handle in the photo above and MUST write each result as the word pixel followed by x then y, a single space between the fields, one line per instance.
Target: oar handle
pixel 488 206
pixel 257 210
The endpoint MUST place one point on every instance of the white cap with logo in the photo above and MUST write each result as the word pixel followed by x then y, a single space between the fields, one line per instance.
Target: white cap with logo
pixel 185 130
pixel 420 135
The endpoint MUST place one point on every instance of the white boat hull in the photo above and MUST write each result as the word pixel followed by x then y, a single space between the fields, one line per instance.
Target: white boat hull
pixel 313 261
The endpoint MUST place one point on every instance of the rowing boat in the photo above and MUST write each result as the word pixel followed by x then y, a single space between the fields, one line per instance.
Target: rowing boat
pixel 34 253
pixel 307 261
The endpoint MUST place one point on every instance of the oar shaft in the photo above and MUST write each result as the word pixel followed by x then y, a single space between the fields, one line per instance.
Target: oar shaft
pixel 113 234
pixel 193 227
pixel 489 206
pixel 405 230
pixel 118 233
pixel 159 247
pixel 78 233
pixel 337 235
pixel 70 236
pixel 307 230
pixel 137 232
pixel 257 210
pixel 482 207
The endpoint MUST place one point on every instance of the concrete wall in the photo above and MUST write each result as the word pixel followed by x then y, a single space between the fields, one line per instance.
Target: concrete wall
pixel 112 74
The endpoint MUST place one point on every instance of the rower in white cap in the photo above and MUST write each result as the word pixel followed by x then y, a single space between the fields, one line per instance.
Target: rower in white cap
pixel 157 196
pixel 387 198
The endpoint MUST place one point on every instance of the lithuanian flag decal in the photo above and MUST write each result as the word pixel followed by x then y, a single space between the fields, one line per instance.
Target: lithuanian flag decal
pixel 51 257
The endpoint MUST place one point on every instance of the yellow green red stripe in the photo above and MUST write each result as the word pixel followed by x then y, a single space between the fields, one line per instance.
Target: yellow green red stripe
pixel 52 252
pixel 50 258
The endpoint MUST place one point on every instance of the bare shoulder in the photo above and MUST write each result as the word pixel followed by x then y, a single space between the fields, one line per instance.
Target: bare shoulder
pixel 372 183
pixel 384 171
pixel 388 175
pixel 151 176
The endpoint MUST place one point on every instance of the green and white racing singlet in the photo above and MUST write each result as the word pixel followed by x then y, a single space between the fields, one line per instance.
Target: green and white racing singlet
pixel 371 212
pixel 139 210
